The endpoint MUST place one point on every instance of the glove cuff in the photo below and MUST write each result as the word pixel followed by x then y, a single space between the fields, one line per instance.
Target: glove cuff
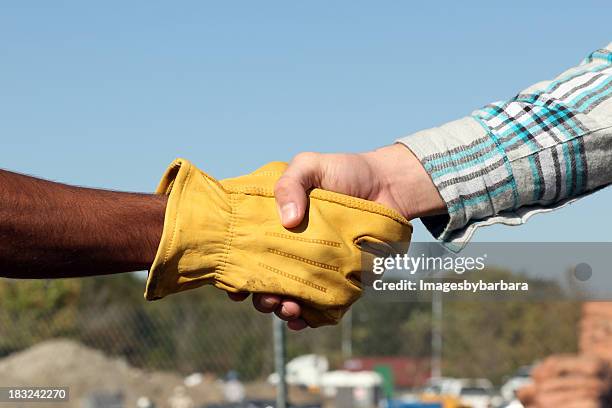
pixel 195 222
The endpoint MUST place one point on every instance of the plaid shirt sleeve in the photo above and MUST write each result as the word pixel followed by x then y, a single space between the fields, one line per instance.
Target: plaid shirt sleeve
pixel 541 150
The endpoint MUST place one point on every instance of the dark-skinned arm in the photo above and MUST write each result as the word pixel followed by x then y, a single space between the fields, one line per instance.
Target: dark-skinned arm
pixel 53 230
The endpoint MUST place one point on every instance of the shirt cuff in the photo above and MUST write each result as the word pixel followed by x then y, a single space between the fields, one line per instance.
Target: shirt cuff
pixel 539 151
pixel 470 171
pixel 480 185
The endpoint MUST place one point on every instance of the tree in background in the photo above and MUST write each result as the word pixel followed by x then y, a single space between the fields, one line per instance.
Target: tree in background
pixel 201 331
pixel 34 310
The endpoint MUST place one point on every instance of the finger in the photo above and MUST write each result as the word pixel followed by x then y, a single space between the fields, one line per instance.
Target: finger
pixel 297 324
pixel 238 297
pixel 265 303
pixel 290 190
pixel 288 310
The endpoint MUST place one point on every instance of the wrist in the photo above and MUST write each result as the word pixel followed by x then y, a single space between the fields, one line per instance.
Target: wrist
pixel 405 181
pixel 121 230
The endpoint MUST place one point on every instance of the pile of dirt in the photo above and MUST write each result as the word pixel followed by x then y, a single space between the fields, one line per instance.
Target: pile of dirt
pixel 583 380
pixel 65 363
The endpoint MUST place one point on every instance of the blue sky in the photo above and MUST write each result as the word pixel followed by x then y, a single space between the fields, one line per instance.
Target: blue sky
pixel 108 94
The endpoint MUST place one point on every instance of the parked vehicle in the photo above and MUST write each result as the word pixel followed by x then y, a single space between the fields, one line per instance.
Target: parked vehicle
pixel 518 380
pixel 460 392
pixel 476 393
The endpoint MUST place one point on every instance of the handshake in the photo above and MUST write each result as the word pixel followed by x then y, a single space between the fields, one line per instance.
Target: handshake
pixel 228 234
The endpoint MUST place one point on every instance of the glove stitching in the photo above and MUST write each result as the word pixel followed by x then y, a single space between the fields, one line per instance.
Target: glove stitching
pixel 156 277
pixel 268 173
pixel 369 207
pixel 228 242
pixel 348 200
pixel 301 239
pixel 305 260
pixel 323 195
pixel 175 216
pixel 356 285
pixel 295 278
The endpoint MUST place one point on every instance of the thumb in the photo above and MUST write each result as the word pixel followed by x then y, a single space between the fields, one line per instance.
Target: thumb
pixel 290 190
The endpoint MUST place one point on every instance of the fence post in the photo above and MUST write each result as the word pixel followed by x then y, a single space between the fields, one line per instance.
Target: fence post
pixel 280 356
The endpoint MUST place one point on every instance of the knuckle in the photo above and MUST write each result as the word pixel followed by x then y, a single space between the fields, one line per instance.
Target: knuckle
pixel 305 157
pixel 262 309
pixel 282 186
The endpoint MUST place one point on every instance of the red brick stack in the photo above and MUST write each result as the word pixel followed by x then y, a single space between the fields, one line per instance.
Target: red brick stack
pixel 596 330
pixel 577 381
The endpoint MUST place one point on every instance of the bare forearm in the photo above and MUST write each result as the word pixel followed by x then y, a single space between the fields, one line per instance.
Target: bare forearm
pixel 51 230
pixel 405 181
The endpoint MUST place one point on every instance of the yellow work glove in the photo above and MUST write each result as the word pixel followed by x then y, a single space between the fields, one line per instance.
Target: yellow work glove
pixel 228 234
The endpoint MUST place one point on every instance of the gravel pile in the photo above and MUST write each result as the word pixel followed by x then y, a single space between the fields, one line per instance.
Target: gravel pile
pixel 65 363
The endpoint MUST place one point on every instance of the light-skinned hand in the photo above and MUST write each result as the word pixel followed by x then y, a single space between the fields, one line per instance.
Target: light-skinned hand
pixel 391 176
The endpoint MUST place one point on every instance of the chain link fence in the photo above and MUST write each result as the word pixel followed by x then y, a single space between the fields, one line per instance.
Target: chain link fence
pixel 202 331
